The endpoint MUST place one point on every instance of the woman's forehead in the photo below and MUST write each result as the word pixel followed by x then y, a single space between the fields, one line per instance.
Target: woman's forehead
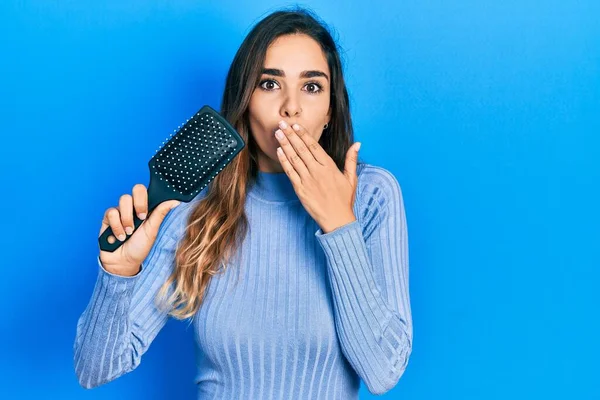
pixel 295 53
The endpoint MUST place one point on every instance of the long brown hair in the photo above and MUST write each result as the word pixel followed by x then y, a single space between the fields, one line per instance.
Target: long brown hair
pixel 218 222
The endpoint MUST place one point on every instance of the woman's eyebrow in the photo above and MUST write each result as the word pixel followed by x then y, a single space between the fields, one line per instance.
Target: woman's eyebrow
pixel 303 74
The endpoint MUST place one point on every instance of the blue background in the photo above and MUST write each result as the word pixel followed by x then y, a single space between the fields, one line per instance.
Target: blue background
pixel 486 112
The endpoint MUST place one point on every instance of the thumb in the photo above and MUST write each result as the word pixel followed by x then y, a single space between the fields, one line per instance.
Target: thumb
pixel 351 160
pixel 160 212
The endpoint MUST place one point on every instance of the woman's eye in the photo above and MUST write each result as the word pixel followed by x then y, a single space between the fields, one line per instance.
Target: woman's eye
pixel 313 85
pixel 268 81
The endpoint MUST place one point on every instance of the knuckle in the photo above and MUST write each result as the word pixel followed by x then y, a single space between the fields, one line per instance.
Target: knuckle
pixel 138 197
pixel 116 227
pixel 112 212
pixel 114 221
pixel 127 219
pixel 139 194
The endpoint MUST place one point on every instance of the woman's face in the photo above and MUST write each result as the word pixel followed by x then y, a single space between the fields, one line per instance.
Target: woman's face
pixel 294 87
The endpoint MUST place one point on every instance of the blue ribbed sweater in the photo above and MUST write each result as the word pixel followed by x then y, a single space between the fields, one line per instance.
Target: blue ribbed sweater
pixel 298 314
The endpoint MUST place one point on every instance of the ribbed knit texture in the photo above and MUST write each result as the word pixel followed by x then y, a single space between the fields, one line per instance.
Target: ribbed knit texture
pixel 298 314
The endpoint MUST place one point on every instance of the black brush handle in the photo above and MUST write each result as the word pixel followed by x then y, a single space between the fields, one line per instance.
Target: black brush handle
pixel 157 193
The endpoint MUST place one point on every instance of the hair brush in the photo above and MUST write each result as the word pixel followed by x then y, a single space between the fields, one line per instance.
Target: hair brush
pixel 184 165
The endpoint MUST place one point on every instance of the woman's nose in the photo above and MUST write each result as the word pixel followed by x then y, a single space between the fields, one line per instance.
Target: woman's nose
pixel 291 107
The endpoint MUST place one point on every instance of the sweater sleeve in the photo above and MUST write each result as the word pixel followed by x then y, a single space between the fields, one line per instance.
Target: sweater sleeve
pixel 121 319
pixel 368 273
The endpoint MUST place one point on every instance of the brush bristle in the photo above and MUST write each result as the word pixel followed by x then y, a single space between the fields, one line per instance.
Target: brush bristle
pixel 189 157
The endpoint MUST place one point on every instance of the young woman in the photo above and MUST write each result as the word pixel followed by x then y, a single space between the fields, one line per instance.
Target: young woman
pixel 292 264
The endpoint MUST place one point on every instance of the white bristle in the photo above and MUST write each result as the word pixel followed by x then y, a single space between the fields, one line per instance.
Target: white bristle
pixel 208 140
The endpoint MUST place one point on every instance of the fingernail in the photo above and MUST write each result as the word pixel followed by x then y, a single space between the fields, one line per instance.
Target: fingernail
pixel 296 127
pixel 279 134
pixel 283 125
pixel 121 237
pixel 129 230
pixel 358 146
pixel 142 216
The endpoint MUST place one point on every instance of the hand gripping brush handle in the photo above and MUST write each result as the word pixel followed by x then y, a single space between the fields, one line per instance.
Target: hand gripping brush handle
pixel 204 145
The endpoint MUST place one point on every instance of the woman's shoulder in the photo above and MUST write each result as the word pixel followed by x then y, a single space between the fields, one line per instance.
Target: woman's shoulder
pixel 376 182
pixel 378 194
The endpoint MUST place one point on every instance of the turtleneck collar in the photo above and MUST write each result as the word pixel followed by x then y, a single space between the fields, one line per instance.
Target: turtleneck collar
pixel 273 187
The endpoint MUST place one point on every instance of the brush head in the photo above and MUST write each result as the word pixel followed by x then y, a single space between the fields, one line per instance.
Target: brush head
pixel 196 152
pixel 185 164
